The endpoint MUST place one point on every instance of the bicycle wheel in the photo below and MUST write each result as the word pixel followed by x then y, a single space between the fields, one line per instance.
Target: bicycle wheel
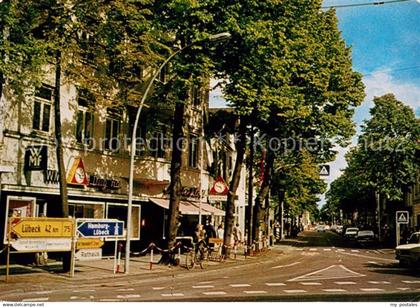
pixel 190 260
pixel 201 258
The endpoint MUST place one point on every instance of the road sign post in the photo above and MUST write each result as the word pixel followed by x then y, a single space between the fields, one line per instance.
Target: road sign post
pixel 401 217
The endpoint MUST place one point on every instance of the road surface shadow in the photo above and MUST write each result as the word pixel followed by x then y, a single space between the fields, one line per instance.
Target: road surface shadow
pixel 394 269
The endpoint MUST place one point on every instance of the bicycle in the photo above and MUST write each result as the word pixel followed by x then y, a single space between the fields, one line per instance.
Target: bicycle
pixel 198 255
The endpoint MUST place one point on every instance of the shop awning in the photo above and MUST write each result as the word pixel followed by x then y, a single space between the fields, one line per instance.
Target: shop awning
pixel 189 207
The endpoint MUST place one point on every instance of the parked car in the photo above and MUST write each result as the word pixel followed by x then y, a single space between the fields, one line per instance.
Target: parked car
pixel 320 228
pixel 365 236
pixel 351 233
pixel 409 254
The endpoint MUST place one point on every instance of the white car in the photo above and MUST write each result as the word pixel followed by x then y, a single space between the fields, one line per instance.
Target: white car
pixel 351 232
pixel 320 228
pixel 365 236
pixel 409 254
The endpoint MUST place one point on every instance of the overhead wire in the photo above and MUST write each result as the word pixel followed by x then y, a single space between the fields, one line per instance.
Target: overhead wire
pixel 363 4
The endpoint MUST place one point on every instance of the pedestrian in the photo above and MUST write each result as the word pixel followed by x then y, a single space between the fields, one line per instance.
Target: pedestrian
pixel 237 235
pixel 199 233
pixel 220 232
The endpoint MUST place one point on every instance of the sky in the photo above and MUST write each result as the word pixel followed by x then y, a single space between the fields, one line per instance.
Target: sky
pixel 385 42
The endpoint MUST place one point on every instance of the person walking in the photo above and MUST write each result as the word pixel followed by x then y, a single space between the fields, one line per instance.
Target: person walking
pixel 220 232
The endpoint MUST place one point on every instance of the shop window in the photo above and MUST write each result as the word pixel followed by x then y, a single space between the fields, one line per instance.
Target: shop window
pixel 84 123
pixel 193 147
pixel 18 208
pixel 42 108
pixel 88 211
pixel 119 212
pixel 112 130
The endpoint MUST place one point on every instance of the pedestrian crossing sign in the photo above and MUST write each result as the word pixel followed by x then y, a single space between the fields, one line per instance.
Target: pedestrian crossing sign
pixel 402 217
pixel 324 170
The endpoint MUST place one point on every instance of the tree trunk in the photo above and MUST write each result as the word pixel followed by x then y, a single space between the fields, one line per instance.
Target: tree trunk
pixel 248 213
pixel 234 183
pixel 258 215
pixel 176 165
pixel 58 138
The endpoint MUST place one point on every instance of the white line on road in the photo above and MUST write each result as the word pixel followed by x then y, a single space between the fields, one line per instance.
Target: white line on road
pixel 74 297
pixel 299 249
pixel 295 291
pixel 108 300
pixel 275 284
pixel 43 292
pixel 379 282
pixel 125 290
pixel 333 290
pixel 285 265
pixel 215 293
pixel 36 299
pixel 158 288
pixel 203 287
pixel 84 290
pixel 355 251
pixel 345 283
pixel 239 285
pixel 327 249
pixel 311 283
pixel 372 262
pixel 369 257
pixel 255 292
pixel 313 249
pixel 403 289
pixel 205 282
pixel 172 294
pixel 340 250
pixel 371 289
pixel 411 281
pixel 129 296
pixel 312 275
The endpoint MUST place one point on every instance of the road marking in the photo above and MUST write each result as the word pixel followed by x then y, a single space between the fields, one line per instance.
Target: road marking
pixel 379 282
pixel 203 287
pixel 376 251
pixel 255 292
pixel 275 284
pixel 327 249
pixel 285 265
pixel 239 285
pixel 345 282
pixel 299 249
pixel 333 290
pixel 313 249
pixel 411 281
pixel 403 289
pixel 311 283
pixel 310 276
pixel 125 290
pixel 355 251
pixel 36 299
pixel 172 294
pixel 310 253
pixel 129 296
pixel 295 291
pixel 205 282
pixel 372 262
pixel 43 292
pixel 371 289
pixel 369 257
pixel 215 293
pixel 108 300
pixel 74 297
pixel 84 290
pixel 158 288
pixel 340 250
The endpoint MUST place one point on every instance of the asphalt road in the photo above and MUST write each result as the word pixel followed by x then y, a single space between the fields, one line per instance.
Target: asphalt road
pixel 318 267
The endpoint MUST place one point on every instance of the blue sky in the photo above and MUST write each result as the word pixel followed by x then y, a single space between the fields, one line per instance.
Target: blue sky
pixel 385 42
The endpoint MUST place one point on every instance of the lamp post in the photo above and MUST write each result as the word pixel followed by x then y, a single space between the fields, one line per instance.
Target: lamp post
pixel 214 38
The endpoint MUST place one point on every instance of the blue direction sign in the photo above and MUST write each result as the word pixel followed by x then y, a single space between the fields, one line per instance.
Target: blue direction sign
pixel 100 228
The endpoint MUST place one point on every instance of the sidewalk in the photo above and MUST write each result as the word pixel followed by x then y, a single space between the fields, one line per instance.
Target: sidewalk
pixel 89 271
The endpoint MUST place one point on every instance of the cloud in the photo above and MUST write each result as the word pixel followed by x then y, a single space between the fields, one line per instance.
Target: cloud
pixel 377 84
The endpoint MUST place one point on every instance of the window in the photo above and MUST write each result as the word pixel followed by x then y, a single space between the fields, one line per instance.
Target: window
pixel 80 210
pixel 141 129
pixel 42 108
pixel 157 145
pixel 84 122
pixel 112 130
pixel 196 95
pixel 193 151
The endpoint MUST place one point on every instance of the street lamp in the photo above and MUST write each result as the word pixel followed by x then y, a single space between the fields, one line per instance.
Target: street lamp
pixel 213 38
